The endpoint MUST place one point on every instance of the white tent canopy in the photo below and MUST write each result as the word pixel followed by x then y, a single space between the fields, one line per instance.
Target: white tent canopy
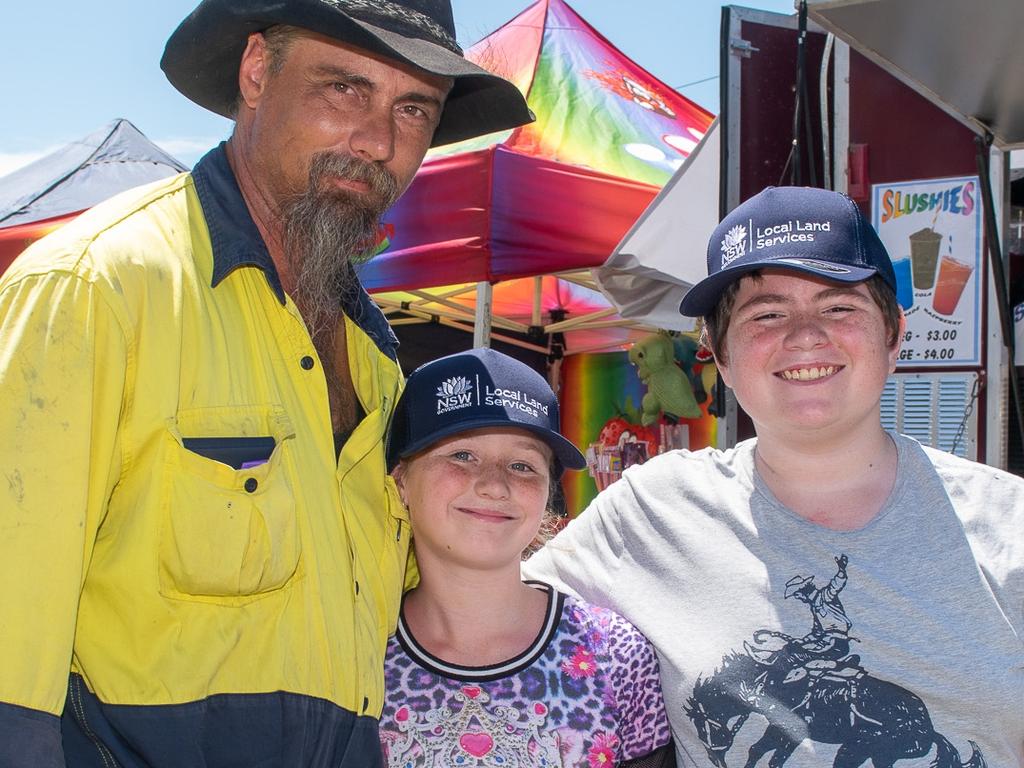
pixel 663 254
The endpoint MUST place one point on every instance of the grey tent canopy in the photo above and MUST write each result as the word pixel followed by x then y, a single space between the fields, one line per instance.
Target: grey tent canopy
pixel 83 173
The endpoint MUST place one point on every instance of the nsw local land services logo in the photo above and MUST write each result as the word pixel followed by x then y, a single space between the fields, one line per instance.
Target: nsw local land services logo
pixel 454 393
pixel 734 244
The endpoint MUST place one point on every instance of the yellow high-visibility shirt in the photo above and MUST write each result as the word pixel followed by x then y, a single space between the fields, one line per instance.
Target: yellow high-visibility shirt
pixel 137 565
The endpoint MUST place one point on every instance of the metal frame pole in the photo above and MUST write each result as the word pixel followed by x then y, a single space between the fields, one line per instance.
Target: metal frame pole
pixel 984 144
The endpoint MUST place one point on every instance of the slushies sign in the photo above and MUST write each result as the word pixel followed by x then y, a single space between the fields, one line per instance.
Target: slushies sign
pixel 932 230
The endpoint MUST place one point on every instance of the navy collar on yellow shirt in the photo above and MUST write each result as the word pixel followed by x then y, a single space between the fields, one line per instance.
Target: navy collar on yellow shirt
pixel 237 242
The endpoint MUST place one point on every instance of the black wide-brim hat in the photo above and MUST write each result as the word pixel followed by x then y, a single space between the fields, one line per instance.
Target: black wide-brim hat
pixel 203 54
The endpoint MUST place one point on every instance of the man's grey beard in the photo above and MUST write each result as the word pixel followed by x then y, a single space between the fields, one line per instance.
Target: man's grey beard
pixel 326 229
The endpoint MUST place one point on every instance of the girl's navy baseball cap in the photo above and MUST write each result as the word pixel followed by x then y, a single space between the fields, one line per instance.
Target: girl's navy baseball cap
pixel 809 230
pixel 469 390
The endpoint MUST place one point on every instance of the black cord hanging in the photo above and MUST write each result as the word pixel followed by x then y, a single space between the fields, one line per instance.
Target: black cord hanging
pixel 802 132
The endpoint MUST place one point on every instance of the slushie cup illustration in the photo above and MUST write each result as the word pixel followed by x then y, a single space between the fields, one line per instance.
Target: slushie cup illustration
pixel 904 285
pixel 953 276
pixel 924 256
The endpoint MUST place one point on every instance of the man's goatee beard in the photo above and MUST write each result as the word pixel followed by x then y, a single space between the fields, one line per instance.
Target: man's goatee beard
pixel 326 229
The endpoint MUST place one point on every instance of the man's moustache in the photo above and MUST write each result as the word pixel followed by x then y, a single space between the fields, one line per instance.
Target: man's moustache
pixel 379 179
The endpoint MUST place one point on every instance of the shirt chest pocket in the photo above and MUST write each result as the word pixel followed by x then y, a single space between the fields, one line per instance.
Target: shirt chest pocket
pixel 229 532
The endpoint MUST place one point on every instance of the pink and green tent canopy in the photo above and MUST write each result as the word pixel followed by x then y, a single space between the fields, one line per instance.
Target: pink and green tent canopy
pixel 551 196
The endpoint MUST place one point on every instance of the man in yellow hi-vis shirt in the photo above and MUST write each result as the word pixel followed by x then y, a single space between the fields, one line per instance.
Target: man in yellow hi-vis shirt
pixel 201 553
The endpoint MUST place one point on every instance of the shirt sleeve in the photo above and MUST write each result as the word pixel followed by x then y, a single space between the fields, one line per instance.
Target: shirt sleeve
pixel 835 586
pixel 583 559
pixel 29 738
pixel 642 717
pixel 62 372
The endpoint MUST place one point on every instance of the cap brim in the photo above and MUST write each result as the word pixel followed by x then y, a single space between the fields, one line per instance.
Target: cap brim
pixel 202 56
pixel 702 298
pixel 567 455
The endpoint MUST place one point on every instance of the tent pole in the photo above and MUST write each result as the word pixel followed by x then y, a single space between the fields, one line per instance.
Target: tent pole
pixel 538 293
pixel 389 306
pixel 574 322
pixel 495 336
pixel 482 323
pixel 427 300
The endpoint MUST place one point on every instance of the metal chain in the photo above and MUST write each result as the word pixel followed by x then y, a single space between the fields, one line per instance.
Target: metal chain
pixel 967 414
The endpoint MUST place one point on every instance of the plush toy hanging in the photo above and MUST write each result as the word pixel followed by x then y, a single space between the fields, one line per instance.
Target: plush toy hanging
pixel 669 390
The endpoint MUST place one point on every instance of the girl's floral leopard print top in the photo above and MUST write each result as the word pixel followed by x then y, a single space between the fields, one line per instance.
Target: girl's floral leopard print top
pixel 585 693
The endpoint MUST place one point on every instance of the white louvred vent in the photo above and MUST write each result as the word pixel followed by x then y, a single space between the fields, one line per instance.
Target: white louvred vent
pixel 937 409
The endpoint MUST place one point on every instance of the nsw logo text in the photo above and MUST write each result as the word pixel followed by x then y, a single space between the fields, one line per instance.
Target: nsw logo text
pixel 454 393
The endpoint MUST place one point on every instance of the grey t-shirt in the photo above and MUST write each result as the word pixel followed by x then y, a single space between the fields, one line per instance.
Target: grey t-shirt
pixel 911 653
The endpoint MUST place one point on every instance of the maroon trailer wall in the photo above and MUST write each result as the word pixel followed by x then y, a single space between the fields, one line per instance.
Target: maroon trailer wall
pixel 905 135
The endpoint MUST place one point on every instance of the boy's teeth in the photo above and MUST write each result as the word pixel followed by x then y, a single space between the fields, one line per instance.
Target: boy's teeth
pixel 809 374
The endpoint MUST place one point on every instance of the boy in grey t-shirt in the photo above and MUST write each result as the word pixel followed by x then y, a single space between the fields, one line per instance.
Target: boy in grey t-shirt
pixel 827 593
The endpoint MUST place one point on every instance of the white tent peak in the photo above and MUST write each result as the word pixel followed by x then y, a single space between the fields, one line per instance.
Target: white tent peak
pixel 663 255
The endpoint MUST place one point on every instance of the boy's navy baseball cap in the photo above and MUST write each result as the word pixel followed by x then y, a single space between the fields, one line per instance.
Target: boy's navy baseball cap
pixel 805 229
pixel 469 390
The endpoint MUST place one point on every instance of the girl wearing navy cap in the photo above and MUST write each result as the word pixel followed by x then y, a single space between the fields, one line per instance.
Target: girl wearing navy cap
pixel 484 669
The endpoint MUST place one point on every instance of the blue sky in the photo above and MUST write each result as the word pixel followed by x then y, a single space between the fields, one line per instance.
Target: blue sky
pixel 71 67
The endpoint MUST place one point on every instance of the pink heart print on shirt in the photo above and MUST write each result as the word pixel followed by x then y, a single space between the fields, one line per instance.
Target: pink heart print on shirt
pixel 476 744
